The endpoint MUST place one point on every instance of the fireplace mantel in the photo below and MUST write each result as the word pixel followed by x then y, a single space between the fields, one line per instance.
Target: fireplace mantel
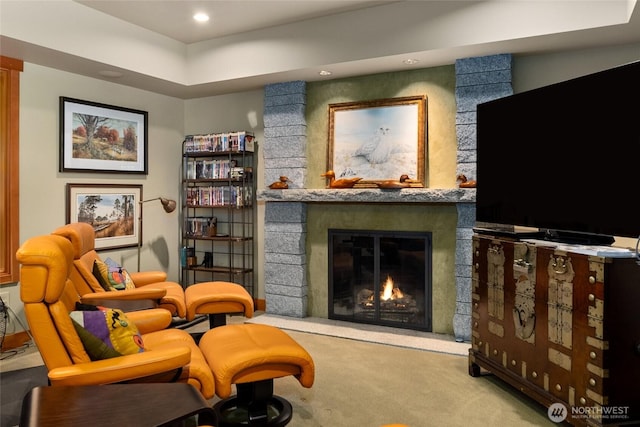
pixel 370 195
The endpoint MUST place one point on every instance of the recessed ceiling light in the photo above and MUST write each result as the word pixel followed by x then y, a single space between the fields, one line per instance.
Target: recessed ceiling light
pixel 110 73
pixel 410 61
pixel 201 17
pixel 325 73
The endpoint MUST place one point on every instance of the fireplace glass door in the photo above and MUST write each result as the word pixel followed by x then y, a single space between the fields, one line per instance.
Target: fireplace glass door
pixel 381 278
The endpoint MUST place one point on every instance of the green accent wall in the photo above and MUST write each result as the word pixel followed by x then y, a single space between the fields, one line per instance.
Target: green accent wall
pixel 441 149
pixel 438 84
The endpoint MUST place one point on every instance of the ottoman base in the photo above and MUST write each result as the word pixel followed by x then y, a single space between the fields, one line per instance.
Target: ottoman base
pixel 254 405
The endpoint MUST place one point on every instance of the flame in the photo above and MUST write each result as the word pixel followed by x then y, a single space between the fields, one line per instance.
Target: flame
pixel 389 292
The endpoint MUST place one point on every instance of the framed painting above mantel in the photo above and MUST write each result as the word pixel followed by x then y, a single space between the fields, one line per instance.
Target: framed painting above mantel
pixel 102 138
pixel 378 140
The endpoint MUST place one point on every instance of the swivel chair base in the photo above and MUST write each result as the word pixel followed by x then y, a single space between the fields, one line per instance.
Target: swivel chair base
pixel 254 405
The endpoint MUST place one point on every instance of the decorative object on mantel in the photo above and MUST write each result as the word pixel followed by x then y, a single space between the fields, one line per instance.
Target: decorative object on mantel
pixel 282 184
pixel 463 182
pixel 403 182
pixel 340 183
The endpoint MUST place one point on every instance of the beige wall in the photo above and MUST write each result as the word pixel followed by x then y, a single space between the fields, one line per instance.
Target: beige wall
pixel 42 187
pixel 533 71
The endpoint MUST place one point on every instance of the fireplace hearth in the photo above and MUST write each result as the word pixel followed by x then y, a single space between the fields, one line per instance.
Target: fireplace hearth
pixel 380 277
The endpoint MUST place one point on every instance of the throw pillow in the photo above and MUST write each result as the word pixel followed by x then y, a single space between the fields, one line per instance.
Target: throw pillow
pixel 119 274
pixel 107 332
pixel 101 272
pixel 111 276
pixel 94 346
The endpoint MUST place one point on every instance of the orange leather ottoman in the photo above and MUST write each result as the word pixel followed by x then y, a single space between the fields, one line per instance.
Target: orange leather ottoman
pixel 251 356
pixel 217 299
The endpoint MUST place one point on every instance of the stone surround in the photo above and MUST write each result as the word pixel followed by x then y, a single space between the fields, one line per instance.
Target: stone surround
pixel 371 195
pixel 286 288
pixel 478 80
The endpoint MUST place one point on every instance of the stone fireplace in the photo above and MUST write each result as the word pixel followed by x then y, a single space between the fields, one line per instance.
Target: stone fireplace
pixel 297 220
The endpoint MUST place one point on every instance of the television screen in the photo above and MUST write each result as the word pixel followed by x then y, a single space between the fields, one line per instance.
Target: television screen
pixel 564 157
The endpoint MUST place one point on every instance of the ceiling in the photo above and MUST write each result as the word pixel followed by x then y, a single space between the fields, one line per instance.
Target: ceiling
pixel 174 19
pixel 156 46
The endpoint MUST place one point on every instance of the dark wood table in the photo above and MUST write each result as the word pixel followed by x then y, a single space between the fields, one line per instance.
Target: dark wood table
pixel 163 404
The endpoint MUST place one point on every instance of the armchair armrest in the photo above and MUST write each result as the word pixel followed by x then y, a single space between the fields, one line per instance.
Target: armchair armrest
pixel 126 300
pixel 123 368
pixel 143 278
pixel 149 293
pixel 151 320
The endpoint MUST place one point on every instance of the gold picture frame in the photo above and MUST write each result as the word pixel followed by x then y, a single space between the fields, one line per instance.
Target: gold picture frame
pixel 378 140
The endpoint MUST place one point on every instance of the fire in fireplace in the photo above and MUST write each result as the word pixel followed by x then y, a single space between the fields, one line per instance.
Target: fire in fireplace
pixel 380 277
pixel 390 298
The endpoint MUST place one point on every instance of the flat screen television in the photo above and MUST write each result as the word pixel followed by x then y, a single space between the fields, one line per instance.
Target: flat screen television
pixel 563 159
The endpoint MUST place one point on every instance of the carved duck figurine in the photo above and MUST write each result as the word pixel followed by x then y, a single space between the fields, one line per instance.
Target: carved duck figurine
pixel 403 182
pixel 282 184
pixel 340 183
pixel 463 182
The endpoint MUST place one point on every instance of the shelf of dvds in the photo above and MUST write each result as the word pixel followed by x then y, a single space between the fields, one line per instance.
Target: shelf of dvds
pixel 218 198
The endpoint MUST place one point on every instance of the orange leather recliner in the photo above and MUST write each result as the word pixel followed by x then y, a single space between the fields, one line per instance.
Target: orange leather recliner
pixel 216 299
pixel 49 296
pixel 249 356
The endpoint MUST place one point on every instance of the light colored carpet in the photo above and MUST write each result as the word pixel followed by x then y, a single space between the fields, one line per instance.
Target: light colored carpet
pixel 370 333
pixel 363 384
pixel 368 376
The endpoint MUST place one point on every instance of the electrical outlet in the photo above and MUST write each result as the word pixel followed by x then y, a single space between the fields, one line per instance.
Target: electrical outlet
pixel 5 298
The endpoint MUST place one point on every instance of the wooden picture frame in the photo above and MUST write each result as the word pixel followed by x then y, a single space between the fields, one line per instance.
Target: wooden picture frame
pixel 112 209
pixel 378 140
pixel 118 142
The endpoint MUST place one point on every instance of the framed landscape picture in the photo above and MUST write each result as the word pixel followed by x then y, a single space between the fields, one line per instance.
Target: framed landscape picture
pixel 378 140
pixel 103 138
pixel 112 210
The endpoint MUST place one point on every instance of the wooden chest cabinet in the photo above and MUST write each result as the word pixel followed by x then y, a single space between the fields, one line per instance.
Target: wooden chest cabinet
pixel 560 326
